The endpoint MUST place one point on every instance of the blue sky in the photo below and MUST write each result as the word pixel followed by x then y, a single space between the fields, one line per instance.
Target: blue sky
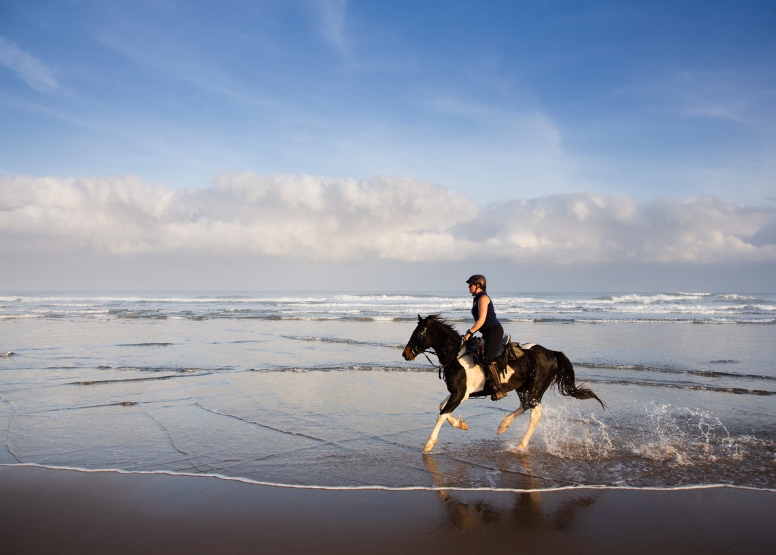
pixel 388 145
pixel 494 100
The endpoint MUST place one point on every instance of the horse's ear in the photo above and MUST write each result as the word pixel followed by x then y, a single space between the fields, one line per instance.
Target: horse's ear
pixel 420 320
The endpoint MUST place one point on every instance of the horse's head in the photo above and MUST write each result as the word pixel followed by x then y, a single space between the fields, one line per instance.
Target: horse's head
pixel 419 340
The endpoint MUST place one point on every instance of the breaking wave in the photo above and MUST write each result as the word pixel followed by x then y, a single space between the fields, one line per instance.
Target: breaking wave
pixel 545 308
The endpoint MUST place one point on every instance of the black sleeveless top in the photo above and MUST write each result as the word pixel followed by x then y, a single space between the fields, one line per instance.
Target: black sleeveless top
pixel 490 318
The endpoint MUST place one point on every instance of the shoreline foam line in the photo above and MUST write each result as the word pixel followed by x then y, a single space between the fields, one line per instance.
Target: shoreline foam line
pixel 252 482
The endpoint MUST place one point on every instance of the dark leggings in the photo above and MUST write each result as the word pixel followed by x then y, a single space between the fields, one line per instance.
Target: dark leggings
pixel 492 338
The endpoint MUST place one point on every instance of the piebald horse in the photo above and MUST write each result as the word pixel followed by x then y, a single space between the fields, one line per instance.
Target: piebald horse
pixel 530 376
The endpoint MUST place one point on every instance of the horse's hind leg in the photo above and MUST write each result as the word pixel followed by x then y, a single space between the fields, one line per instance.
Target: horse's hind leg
pixel 536 415
pixel 508 420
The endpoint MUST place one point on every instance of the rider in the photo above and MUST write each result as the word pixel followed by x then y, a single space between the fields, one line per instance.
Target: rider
pixel 485 321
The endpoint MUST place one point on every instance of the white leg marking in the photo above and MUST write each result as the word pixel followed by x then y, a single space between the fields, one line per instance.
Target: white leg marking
pixel 508 420
pixel 434 433
pixel 457 422
pixel 536 415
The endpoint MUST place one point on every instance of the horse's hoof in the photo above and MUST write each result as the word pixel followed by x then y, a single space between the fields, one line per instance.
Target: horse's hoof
pixel 501 430
pixel 464 426
pixel 429 446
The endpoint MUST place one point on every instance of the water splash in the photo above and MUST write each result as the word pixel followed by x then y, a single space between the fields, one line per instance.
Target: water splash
pixel 655 444
pixel 663 434
pixel 568 434
pixel 685 437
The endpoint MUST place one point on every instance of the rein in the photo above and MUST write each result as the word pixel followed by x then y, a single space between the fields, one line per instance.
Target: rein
pixel 442 366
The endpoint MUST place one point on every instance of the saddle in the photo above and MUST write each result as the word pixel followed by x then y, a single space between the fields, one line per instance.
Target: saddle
pixel 507 351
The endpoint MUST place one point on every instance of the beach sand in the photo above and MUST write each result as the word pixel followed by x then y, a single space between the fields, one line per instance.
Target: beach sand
pixel 63 511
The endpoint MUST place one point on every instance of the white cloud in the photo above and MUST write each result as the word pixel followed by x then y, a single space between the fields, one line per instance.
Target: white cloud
pixel 26 67
pixel 288 216
pixel 585 228
pixel 312 218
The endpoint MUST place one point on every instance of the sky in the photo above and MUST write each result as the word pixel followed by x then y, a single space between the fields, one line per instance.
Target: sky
pixel 388 145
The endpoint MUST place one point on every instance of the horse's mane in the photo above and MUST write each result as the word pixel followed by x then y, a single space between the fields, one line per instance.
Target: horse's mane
pixel 444 322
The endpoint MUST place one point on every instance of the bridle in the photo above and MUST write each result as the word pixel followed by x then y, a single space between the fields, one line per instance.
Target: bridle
pixel 415 350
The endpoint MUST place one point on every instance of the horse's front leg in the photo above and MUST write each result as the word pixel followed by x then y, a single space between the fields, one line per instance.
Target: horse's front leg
pixel 432 439
pixel 454 422
pixel 444 416
pixel 457 422
pixel 508 419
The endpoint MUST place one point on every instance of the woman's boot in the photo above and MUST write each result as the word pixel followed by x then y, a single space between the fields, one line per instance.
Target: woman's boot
pixel 498 389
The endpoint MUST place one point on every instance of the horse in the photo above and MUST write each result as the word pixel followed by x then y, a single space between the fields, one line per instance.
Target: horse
pixel 529 376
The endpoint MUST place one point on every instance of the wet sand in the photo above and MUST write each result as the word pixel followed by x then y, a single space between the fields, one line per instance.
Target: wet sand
pixel 62 511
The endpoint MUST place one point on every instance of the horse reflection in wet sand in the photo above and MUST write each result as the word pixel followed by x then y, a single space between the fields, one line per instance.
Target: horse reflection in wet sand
pixel 534 510
pixel 530 376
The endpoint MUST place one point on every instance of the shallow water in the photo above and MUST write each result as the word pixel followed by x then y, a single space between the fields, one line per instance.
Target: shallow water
pixel 311 389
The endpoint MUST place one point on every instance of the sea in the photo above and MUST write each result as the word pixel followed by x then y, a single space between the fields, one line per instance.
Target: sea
pixel 309 389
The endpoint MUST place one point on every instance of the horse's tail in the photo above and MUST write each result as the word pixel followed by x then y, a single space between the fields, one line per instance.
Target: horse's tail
pixel 566 383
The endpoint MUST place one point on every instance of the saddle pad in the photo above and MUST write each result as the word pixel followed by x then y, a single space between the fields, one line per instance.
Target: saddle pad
pixel 504 342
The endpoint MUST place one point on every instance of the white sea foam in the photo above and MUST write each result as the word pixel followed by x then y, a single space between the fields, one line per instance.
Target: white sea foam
pixel 375 487
pixel 665 306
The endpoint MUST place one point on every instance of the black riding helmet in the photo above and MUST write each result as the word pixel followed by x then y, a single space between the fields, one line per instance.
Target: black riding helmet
pixel 479 280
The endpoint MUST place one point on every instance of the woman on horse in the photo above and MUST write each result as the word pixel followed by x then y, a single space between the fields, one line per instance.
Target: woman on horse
pixel 485 322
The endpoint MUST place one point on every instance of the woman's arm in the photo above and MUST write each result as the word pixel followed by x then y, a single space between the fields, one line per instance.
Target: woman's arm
pixel 483 306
